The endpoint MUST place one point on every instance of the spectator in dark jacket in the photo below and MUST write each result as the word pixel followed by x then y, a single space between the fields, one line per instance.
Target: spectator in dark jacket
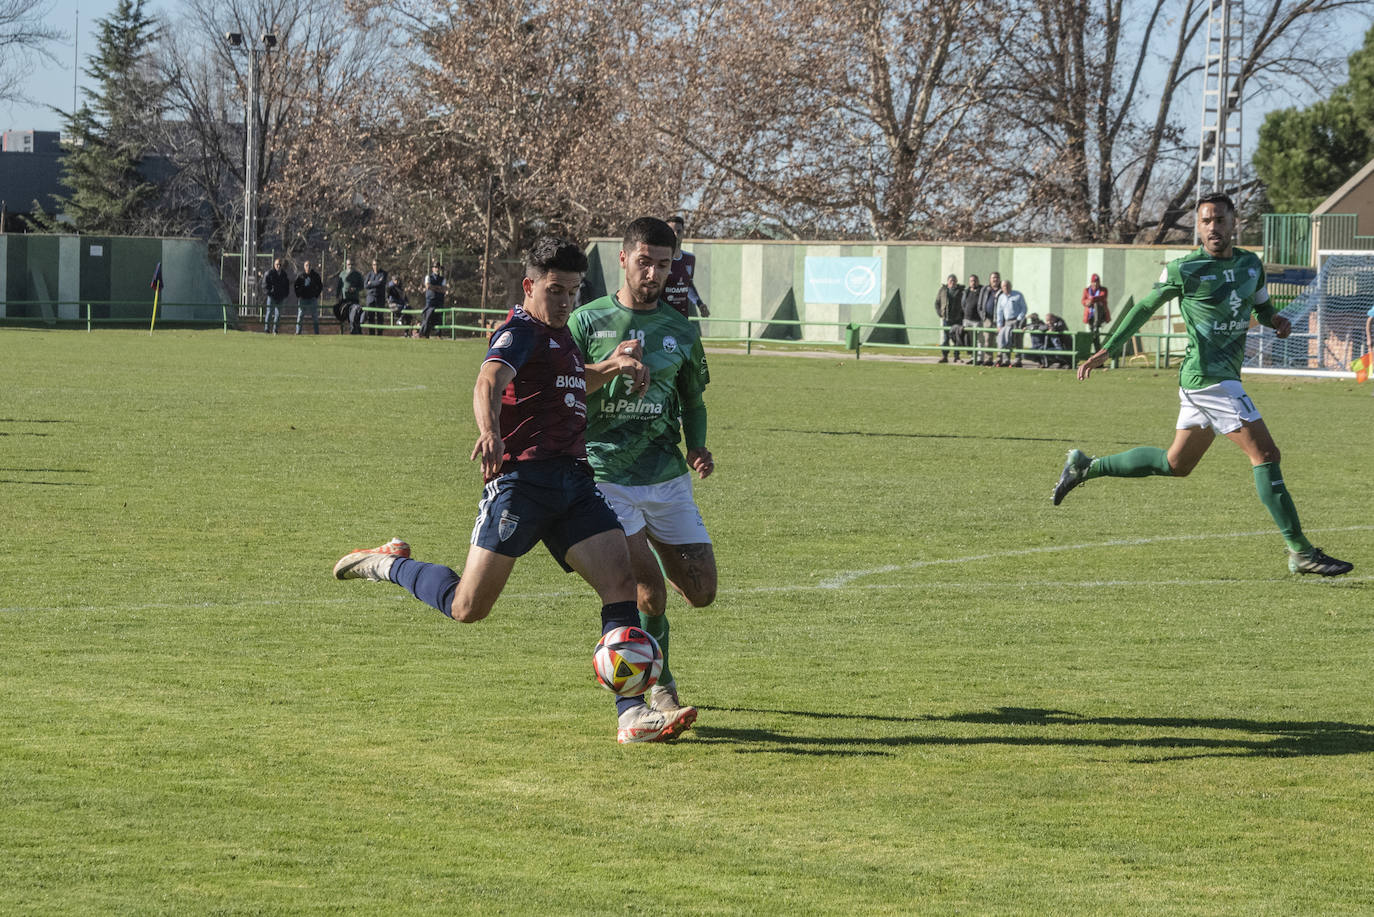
pixel 277 285
pixel 398 302
pixel 949 305
pixel 308 286
pixel 347 288
pixel 980 306
pixel 375 284
pixel 1037 330
pixel 1058 338
pixel 435 290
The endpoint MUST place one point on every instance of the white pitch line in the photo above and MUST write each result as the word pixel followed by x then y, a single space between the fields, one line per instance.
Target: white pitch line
pixel 838 581
pixel 844 579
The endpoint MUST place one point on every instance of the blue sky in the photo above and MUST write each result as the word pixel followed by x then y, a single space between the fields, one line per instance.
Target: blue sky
pixel 51 83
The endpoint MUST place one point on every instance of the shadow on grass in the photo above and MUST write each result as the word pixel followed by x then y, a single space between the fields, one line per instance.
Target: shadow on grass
pixel 1186 738
pixel 46 471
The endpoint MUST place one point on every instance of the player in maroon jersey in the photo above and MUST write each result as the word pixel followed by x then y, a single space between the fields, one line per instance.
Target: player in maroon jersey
pixel 531 410
pixel 680 291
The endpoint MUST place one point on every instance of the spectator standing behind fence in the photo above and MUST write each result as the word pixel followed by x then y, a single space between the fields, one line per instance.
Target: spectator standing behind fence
pixel 277 285
pixel 398 302
pixel 680 291
pixel 1037 330
pixel 979 304
pixel 435 290
pixel 1095 311
pixel 1011 312
pixel 949 305
pixel 375 284
pixel 348 286
pixel 308 286
pixel 1057 339
pixel 990 316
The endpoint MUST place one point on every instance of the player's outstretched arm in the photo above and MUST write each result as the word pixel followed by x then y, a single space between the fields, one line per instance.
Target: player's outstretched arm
pixel 486 408
pixel 1096 361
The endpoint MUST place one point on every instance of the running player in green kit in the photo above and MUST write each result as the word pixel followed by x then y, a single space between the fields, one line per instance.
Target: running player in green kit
pixel 632 438
pixel 1218 287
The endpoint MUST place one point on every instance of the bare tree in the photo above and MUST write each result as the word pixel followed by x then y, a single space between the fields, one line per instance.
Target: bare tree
pixel 513 119
pixel 867 118
pixel 1081 81
pixel 309 86
pixel 24 35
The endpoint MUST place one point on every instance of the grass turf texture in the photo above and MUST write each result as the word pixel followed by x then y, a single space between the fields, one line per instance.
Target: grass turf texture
pixel 923 689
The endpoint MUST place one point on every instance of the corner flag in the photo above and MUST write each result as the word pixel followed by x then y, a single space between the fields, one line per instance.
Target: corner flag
pixel 157 292
pixel 1362 366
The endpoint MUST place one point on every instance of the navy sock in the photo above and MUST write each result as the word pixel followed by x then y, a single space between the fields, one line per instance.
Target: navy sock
pixel 433 584
pixel 621 614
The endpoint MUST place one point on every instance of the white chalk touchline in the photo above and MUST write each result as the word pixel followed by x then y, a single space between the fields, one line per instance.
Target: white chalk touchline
pixel 838 581
pixel 844 579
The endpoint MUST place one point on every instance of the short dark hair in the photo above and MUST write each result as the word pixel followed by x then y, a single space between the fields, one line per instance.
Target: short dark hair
pixel 650 231
pixel 550 253
pixel 1217 197
pixel 676 219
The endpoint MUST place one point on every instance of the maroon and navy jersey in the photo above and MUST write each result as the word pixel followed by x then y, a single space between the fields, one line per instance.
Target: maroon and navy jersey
pixel 679 290
pixel 544 409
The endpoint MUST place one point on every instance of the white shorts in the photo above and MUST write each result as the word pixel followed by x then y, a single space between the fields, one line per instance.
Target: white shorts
pixel 1223 407
pixel 667 510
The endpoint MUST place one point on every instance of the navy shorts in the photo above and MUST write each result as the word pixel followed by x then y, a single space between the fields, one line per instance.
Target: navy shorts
pixel 554 501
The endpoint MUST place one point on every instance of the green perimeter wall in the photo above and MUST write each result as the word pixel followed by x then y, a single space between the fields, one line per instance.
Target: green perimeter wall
pixel 46 278
pixel 763 281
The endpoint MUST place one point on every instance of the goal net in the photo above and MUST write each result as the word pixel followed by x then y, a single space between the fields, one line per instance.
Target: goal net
pixel 1328 317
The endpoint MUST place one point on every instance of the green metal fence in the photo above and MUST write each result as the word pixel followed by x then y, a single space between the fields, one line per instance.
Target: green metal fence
pixel 1294 238
pixel 111 312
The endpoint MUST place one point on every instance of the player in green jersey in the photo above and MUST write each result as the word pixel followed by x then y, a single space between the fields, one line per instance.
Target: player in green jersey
pixel 1218 287
pixel 633 436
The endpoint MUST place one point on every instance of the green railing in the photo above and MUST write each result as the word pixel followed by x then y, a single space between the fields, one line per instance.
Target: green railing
pixel 981 342
pixel 1288 237
pixel 133 313
pixel 449 312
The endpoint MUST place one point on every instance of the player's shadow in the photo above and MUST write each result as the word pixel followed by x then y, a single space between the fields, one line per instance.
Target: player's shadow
pixel 46 471
pixel 1157 738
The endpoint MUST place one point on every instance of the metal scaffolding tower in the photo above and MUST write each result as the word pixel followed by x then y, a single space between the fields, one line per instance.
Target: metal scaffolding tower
pixel 1219 154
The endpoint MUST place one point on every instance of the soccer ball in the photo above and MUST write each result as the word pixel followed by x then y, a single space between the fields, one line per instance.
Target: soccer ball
pixel 627 661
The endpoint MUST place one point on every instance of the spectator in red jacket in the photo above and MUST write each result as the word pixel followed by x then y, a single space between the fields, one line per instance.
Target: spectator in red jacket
pixel 1095 311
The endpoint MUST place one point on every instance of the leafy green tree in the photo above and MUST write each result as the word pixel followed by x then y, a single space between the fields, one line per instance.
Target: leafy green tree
pixel 1306 154
pixel 105 136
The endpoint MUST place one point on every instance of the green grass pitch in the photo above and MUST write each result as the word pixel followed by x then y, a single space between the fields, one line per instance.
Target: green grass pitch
pixel 923 689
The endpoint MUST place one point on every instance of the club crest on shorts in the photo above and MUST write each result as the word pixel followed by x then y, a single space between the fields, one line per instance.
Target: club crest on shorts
pixel 507 524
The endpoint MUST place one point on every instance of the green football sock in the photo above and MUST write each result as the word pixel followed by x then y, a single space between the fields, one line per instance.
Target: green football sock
pixel 1133 463
pixel 1274 496
pixel 657 627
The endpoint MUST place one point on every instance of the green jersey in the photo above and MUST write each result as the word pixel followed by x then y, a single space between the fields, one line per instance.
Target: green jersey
pixel 634 440
pixel 1216 297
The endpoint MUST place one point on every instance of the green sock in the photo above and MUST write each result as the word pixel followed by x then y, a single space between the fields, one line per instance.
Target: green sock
pixel 1274 496
pixel 1133 463
pixel 657 627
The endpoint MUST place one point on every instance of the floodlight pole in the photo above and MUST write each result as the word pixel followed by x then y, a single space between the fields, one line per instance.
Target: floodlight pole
pixel 250 185
pixel 248 267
